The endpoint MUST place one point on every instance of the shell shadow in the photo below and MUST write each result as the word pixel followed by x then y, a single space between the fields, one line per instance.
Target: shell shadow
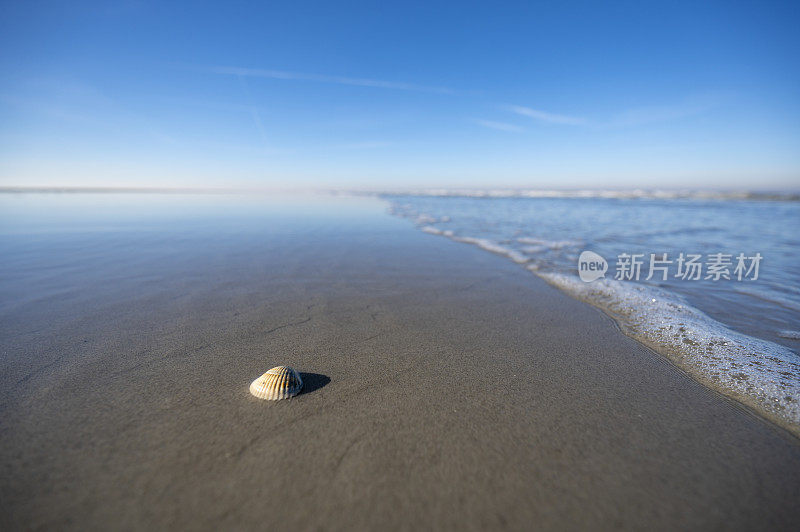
pixel 313 382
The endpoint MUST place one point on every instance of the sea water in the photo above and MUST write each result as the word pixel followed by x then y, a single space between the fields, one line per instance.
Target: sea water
pixel 737 331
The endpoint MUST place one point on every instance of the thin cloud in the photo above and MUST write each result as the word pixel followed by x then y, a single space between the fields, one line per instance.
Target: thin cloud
pixel 254 111
pixel 365 145
pixel 629 118
pixel 499 126
pixel 550 118
pixel 84 105
pixel 662 113
pixel 321 78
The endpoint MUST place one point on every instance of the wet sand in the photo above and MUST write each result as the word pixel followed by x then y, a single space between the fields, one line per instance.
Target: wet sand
pixel 446 388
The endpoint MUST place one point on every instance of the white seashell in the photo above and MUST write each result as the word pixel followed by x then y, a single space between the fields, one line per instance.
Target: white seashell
pixel 281 382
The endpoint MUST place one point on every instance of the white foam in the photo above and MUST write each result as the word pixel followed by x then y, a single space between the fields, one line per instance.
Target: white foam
pixel 425 219
pixel 494 247
pixel 406 210
pixel 518 257
pixel 604 193
pixel 551 244
pixel 533 250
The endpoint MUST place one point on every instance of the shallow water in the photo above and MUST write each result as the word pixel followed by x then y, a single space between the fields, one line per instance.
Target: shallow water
pixel 54 244
pixel 739 335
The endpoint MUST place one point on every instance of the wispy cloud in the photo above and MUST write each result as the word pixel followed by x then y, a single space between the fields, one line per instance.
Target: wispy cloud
pixel 364 145
pixel 322 78
pixel 662 113
pixel 500 126
pixel 82 105
pixel 628 118
pixel 254 112
pixel 550 118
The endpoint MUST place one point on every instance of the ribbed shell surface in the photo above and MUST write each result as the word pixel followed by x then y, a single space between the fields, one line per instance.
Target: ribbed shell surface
pixel 278 383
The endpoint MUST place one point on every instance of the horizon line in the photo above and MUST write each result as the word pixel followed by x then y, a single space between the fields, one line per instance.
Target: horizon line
pixel 478 191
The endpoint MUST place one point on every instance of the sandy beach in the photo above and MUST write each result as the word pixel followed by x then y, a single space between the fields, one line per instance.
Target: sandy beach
pixel 446 388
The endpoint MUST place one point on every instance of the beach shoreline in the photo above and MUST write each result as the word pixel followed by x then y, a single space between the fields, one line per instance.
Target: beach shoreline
pixel 447 388
pixel 734 336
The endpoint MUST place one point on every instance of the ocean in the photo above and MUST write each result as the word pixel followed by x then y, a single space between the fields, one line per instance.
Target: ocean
pixel 710 280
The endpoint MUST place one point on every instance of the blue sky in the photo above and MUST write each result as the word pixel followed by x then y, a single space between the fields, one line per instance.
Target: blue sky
pixel 551 94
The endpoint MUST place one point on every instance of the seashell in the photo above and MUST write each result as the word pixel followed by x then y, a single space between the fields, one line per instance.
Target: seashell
pixel 281 382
